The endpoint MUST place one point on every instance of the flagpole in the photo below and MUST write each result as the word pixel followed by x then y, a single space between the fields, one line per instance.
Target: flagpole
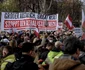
pixel 83 21
pixel 57 21
pixel 46 25
pixel 30 30
pixel 82 25
pixel 45 30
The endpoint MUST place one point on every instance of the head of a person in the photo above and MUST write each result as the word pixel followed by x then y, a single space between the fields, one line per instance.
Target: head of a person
pixel 37 42
pixel 58 45
pixel 49 46
pixel 26 39
pixel 21 36
pixel 28 49
pixel 7 50
pixel 51 39
pixel 72 46
pixel 5 40
pixel 13 43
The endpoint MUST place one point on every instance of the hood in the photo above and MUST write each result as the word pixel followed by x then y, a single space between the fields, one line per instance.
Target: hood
pixel 63 64
pixel 10 58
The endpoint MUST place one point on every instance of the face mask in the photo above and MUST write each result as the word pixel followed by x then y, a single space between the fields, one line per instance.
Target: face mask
pixel 2 36
pixel 50 41
pixel 28 40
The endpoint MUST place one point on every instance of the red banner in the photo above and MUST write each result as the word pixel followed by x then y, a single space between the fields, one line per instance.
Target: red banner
pixel 26 21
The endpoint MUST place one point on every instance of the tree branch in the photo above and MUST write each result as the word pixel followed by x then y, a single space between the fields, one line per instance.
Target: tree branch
pixel 49 5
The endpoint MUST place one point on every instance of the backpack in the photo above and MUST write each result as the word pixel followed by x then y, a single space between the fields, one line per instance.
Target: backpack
pixel 21 65
pixel 17 65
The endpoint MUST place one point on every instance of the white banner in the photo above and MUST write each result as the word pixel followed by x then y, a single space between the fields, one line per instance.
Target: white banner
pixel 28 20
pixel 78 32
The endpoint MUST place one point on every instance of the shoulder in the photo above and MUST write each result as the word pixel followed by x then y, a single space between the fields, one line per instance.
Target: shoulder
pixel 3 65
pixel 10 58
pixel 80 67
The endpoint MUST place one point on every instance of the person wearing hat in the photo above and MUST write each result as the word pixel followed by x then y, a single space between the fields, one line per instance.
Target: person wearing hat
pixel 5 40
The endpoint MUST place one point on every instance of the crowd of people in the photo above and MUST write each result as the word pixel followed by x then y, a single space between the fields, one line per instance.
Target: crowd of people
pixel 48 51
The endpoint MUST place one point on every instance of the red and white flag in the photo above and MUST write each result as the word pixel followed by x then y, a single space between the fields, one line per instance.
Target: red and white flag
pixel 36 32
pixel 13 29
pixel 83 25
pixel 68 22
pixel 83 19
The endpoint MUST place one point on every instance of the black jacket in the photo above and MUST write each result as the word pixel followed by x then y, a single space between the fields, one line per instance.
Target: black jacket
pixel 28 63
pixel 82 57
pixel 24 63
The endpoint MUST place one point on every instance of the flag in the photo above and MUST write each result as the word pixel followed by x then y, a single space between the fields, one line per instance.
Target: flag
pixel 68 22
pixel 83 36
pixel 83 25
pixel 83 21
pixel 13 29
pixel 36 32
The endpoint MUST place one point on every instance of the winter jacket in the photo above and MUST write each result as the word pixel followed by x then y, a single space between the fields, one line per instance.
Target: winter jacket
pixel 66 63
pixel 55 53
pixel 82 57
pixel 4 61
pixel 26 62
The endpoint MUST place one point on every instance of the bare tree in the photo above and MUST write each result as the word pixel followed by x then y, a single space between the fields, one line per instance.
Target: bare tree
pixel 40 6
pixel 62 7
pixel 72 7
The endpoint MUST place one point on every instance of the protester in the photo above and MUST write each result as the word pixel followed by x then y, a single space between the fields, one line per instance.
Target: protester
pixel 8 56
pixel 82 53
pixel 28 55
pixel 20 39
pixel 70 59
pixel 56 52
pixel 49 48
pixel 13 42
pixel 43 55
pixel 26 61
